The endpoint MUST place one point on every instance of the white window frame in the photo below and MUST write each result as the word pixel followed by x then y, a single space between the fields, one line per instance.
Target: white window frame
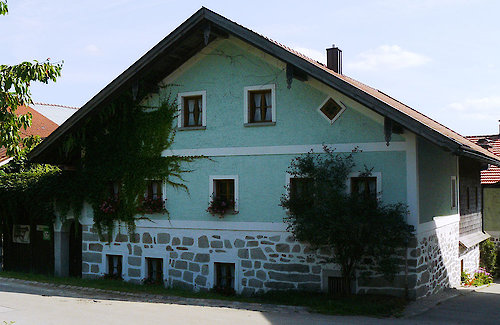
pixel 213 178
pixel 378 175
pixel 163 189
pixel 119 254
pixel 342 106
pixel 225 258
pixel 144 268
pixel 453 192
pixel 246 108
pixel 180 108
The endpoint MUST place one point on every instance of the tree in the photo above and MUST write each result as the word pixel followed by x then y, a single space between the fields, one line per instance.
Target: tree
pixel 14 92
pixel 355 226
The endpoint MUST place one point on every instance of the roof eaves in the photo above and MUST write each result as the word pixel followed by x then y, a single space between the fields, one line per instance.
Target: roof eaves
pixel 467 152
pixel 120 81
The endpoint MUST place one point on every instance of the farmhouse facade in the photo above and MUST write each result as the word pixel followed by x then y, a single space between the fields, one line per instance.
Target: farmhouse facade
pixel 252 105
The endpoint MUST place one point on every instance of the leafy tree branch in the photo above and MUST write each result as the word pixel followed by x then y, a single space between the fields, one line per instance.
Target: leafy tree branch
pixel 356 226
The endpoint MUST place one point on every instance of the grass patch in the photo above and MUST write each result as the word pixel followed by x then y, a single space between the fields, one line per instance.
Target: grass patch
pixel 362 305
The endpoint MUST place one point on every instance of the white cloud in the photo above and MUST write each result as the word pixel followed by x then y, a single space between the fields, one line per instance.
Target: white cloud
pixel 313 54
pixel 480 109
pixel 387 57
pixel 92 49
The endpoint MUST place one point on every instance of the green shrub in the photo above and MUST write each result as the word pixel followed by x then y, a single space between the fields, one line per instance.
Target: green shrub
pixel 488 256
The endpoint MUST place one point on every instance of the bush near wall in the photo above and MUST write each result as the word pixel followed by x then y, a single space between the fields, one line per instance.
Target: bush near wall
pixel 488 256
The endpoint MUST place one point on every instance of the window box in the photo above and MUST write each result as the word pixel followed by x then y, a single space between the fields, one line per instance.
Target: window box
pixel 192 110
pixel 223 195
pixel 153 201
pixel 259 105
pixel 111 203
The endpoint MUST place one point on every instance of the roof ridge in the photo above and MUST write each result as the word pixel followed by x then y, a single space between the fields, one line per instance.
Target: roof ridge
pixel 56 105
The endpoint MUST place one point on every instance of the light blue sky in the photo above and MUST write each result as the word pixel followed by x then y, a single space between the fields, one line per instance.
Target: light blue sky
pixel 440 57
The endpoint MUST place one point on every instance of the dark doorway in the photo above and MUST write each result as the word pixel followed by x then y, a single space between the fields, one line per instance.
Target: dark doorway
pixel 75 249
pixel 28 246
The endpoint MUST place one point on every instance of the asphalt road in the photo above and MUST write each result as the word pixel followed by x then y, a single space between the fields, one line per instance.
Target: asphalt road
pixel 32 304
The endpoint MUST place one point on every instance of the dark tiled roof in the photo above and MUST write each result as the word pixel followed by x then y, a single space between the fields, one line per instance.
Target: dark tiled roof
pixel 374 99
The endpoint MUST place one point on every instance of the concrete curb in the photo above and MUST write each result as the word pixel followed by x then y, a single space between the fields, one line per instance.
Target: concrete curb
pixel 146 297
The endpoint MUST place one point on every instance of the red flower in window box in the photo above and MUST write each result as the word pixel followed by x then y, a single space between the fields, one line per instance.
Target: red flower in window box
pixel 220 206
pixel 152 205
pixel 110 205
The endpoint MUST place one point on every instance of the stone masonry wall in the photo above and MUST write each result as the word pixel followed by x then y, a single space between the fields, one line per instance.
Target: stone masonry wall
pixel 437 260
pixel 263 261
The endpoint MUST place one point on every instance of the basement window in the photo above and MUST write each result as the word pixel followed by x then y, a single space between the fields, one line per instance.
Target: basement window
pixel 331 109
pixel 155 270
pixel 336 286
pixel 224 278
pixel 114 266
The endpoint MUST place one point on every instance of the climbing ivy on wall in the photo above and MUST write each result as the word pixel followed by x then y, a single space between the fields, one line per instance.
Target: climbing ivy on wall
pixel 111 157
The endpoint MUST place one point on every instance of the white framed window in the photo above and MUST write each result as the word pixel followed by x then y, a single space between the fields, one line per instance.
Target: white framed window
pixel 224 271
pixel 454 192
pixel 154 189
pixel 365 184
pixel 298 184
pixel 224 187
pixel 331 109
pixel 192 110
pixel 114 266
pixel 259 106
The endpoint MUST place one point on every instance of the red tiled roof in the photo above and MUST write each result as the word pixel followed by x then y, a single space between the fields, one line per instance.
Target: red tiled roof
pixel 492 174
pixel 394 103
pixel 40 125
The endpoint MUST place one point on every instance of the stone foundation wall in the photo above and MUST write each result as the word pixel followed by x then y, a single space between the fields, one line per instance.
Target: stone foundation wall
pixel 263 261
pixel 269 260
pixel 437 260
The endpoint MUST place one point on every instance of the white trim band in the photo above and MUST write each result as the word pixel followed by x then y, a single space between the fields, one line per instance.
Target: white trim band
pixel 285 150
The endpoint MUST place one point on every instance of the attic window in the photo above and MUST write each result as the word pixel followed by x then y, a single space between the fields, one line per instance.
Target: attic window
pixel 259 105
pixel 192 110
pixel 331 109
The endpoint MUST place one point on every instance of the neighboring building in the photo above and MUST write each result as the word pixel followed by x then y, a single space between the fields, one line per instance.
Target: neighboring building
pixel 490 180
pixel 252 105
pixel 40 125
pixel 57 113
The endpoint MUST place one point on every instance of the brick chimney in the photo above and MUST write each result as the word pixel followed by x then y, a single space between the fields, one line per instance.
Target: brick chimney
pixel 334 59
